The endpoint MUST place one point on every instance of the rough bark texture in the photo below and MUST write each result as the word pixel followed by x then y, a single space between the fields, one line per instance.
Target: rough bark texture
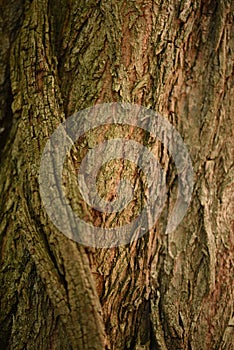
pixel 162 291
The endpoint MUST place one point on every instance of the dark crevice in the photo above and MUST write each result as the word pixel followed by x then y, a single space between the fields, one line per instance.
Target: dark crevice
pixel 7 118
pixel 11 19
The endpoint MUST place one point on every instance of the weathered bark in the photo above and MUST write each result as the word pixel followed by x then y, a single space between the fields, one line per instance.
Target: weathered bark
pixel 162 291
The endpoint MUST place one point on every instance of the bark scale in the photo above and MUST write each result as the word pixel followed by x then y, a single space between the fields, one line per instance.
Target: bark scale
pixel 162 291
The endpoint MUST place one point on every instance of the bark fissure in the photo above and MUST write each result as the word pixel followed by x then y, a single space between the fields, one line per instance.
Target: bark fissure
pixel 161 291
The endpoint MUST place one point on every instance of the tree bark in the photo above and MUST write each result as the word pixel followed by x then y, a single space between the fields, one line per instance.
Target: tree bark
pixel 161 291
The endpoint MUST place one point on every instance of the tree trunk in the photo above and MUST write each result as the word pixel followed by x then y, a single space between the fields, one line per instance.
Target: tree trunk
pixel 162 291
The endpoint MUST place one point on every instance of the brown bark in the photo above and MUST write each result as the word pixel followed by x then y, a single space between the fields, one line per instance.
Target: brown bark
pixel 162 291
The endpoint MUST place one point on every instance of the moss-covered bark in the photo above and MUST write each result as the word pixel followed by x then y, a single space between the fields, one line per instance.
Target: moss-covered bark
pixel 162 291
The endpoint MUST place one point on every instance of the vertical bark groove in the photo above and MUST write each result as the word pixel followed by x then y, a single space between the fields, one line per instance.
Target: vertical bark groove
pixel 162 291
